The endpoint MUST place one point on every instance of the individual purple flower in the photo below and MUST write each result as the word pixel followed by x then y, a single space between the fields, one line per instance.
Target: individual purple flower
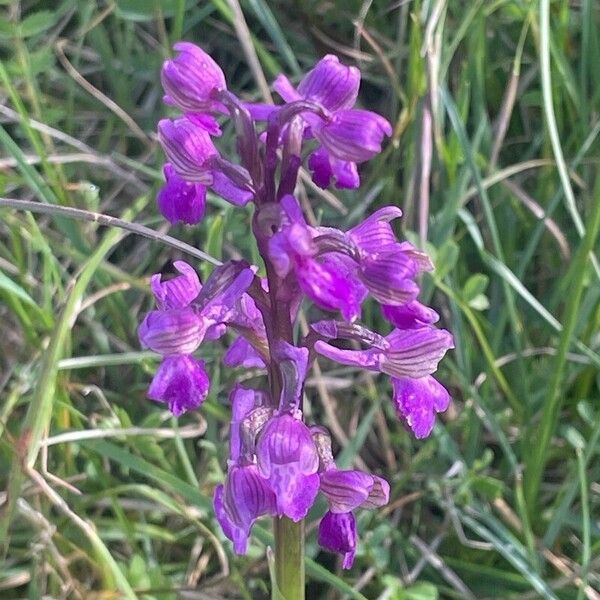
pixel 190 78
pixel 411 353
pixel 337 533
pixel 330 84
pixel 189 149
pixel 180 382
pixel 293 249
pixel 179 291
pixel 287 457
pixel 347 135
pixel 418 400
pixel 180 201
pixel 244 497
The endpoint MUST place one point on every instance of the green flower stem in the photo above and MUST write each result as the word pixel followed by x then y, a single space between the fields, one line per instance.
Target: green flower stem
pixel 289 557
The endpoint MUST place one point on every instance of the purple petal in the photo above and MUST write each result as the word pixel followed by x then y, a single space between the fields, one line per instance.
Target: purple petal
pixel 226 188
pixel 190 77
pixel 345 490
pixel 417 401
pixel 324 167
pixel 287 457
pixel 388 277
pixel 354 135
pixel 330 84
pixel 411 315
pixel 415 352
pixel 180 201
pixel 188 148
pixel 181 382
pixel 421 258
pixel 337 533
pixel 242 354
pixel 246 496
pixel 220 512
pixel 168 332
pixel 379 494
pixel 365 359
pixel 283 86
pixel 206 121
pixel 177 292
pixel 259 111
pixel 375 232
pixel 292 362
pixel 327 288
pixel 242 400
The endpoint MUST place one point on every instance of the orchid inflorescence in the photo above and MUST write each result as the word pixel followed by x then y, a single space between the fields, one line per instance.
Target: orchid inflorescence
pixel 277 463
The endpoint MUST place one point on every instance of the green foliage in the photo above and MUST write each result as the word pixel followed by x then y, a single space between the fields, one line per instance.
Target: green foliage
pixel 108 494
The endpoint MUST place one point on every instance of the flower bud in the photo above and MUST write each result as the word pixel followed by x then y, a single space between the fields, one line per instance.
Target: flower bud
pixel 188 148
pixel 190 78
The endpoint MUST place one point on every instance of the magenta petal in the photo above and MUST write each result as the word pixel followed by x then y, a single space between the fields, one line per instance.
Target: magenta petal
pixel 287 457
pixel 327 287
pixel 324 167
pixel 331 84
pixel 283 86
pixel 220 512
pixel 337 533
pixel 180 201
pixel 179 291
pixel 375 233
pixel 206 121
pixel 190 77
pixel 242 400
pixel 242 354
pixel 418 400
pixel 411 315
pixel 168 332
pixel 246 497
pixel 379 495
pixel 354 135
pixel 188 148
pixel 365 359
pixel 345 490
pixel 388 277
pixel 181 382
pixel 226 188
pixel 415 353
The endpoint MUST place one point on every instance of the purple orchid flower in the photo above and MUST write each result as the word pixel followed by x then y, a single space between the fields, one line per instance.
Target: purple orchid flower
pixel 277 464
pixel 287 457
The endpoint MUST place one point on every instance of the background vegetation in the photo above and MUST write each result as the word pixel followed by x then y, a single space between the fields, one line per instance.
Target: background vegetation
pixel 496 106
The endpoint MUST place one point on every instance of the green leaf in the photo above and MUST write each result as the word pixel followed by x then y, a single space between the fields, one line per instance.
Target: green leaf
pixel 6 283
pixel 38 22
pixel 475 285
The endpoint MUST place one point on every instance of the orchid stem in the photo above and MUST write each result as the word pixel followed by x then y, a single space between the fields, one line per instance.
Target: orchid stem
pixel 289 557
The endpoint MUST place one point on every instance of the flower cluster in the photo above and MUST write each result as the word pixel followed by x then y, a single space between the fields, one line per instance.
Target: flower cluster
pixel 278 463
